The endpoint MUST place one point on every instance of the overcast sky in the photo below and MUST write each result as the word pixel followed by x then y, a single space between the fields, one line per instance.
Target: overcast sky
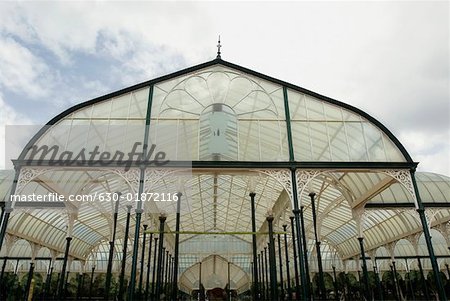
pixel 390 59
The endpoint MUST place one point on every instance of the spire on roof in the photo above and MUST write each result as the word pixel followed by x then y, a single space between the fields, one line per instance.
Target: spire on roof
pixel 218 48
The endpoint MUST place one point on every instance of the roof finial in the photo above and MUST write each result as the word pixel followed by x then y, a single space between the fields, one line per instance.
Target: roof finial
pixel 218 48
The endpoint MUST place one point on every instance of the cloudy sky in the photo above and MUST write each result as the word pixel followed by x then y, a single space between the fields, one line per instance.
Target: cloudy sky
pixel 389 58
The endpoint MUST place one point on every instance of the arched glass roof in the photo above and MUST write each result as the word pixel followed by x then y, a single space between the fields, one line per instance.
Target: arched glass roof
pixel 262 111
pixel 218 114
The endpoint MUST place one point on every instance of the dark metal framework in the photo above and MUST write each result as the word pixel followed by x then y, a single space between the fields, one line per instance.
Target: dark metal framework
pixel 291 165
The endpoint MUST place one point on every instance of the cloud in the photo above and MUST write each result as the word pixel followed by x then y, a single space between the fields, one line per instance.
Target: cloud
pixel 389 59
pixel 21 71
pixel 8 116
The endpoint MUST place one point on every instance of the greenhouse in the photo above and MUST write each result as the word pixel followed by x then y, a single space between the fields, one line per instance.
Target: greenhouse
pixel 217 182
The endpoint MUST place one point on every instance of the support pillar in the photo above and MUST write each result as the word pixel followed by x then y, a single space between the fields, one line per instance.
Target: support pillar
pixel 426 233
pixel 162 271
pixel 132 286
pixel 176 255
pixel 423 280
pixel 448 270
pixel 147 282
pixel 111 249
pixel 364 266
pixel 280 260
pixel 200 286
pixel 294 247
pixel 286 254
pixel 394 279
pixel 305 251
pixel 141 274
pixel 255 267
pixel 124 256
pixel 3 268
pixel 92 282
pixel 266 266
pixel 48 281
pixel 7 210
pixel 296 211
pixel 377 280
pixel 155 256
pixel 261 276
pixel 409 286
pixel 322 291
pixel 166 272
pixel 336 297
pixel 272 260
pixel 229 283
pixel 29 278
pixel 162 219
pixel 63 270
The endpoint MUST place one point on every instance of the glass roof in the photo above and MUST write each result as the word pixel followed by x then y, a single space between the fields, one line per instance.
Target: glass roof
pixel 217 114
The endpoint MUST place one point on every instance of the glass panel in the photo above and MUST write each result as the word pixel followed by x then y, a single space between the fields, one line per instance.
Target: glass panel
pixel 356 142
pixel 320 143
pixel 338 140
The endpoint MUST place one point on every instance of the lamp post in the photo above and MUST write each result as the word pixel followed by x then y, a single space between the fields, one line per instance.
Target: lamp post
pixel 322 292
